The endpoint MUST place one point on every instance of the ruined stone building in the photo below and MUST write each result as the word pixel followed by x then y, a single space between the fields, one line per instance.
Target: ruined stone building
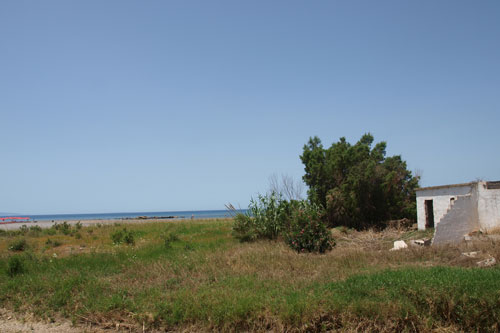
pixel 457 210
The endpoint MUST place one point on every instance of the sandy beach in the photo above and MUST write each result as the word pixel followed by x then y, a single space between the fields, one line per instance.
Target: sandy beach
pixel 48 224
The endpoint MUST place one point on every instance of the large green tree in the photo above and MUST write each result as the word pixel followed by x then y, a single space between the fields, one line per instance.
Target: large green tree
pixel 357 184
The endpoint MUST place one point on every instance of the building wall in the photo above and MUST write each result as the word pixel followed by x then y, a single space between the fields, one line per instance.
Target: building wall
pixel 441 201
pixel 458 222
pixel 488 206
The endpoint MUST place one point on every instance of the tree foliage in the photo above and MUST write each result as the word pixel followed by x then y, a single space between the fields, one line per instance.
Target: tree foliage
pixel 357 184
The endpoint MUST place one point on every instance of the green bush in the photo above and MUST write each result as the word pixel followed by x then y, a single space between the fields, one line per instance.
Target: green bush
pixel 35 230
pixel 169 239
pixel 117 237
pixel 267 217
pixel 307 230
pixel 18 245
pixel 129 237
pixel 50 231
pixel 52 243
pixel 269 214
pixel 123 236
pixel 65 228
pixel 300 223
pixel 15 266
pixel 244 228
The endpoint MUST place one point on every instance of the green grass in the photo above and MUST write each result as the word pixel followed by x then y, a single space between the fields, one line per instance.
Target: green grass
pixel 194 275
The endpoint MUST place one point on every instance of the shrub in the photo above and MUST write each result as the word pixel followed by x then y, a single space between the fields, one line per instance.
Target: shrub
pixel 35 230
pixel 65 228
pixel 117 237
pixel 18 245
pixel 244 228
pixel 78 235
pixel 128 237
pixel 52 243
pixel 15 266
pixel 307 231
pixel 78 225
pixel 300 223
pixel 269 214
pixel 50 231
pixel 123 236
pixel 169 239
pixel 23 230
pixel 267 217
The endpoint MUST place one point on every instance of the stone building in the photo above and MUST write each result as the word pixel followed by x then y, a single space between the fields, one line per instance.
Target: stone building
pixel 456 210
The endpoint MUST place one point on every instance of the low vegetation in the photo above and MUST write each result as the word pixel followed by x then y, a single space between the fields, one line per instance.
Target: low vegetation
pixel 307 230
pixel 196 276
pixel 299 223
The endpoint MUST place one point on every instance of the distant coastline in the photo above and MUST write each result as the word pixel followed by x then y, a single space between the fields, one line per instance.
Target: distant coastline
pixel 197 214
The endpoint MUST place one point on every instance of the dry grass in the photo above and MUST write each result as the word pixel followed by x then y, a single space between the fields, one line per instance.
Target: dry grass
pixel 206 280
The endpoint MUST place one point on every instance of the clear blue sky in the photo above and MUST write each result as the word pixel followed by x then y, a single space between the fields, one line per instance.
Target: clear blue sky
pixel 110 106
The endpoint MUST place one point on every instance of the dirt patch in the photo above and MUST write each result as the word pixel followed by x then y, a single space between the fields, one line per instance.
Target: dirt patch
pixel 16 323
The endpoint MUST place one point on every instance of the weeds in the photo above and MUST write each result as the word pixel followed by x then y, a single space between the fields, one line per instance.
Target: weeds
pixel 52 243
pixel 123 236
pixel 15 266
pixel 18 245
pixel 300 223
pixel 65 228
pixel 50 231
pixel 170 238
pixel 129 238
pixel 209 281
pixel 117 237
pixel 244 229
pixel 269 215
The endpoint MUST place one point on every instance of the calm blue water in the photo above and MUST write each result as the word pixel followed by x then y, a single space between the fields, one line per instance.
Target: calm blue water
pixel 198 214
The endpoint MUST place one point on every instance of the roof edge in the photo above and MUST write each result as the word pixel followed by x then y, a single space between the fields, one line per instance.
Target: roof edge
pixel 445 186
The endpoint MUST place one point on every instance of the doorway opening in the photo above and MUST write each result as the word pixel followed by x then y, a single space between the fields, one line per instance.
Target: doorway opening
pixel 429 214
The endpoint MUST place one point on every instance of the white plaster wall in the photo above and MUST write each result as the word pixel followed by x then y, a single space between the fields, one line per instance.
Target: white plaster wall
pixel 460 220
pixel 441 201
pixel 488 206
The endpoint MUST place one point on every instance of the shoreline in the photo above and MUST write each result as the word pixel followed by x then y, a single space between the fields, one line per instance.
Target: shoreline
pixel 87 223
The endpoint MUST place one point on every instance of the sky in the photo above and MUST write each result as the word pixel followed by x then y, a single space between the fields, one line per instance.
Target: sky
pixel 129 106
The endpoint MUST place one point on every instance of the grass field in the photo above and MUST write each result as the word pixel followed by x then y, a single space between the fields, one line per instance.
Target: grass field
pixel 194 276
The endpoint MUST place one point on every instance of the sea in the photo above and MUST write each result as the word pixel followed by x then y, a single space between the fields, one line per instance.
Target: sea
pixel 188 214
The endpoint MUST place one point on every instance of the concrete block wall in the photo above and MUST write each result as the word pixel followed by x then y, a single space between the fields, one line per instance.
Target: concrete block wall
pixel 488 207
pixel 461 219
pixel 441 198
